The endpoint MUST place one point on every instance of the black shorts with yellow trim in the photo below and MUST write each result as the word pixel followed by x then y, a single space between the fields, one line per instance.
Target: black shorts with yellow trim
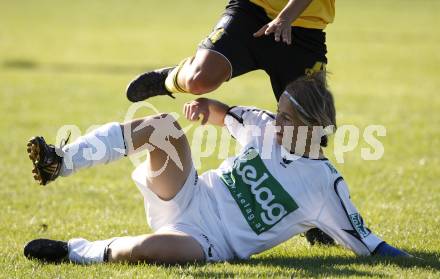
pixel 233 38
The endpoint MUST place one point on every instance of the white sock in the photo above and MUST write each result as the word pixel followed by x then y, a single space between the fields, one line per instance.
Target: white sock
pixel 82 251
pixel 100 146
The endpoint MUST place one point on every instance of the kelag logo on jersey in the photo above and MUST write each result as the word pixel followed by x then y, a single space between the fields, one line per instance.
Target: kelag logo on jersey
pixel 261 199
pixel 358 224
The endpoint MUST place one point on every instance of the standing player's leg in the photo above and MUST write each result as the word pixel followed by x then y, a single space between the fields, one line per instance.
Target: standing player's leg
pixel 340 219
pixel 199 74
pixel 224 54
pixel 169 164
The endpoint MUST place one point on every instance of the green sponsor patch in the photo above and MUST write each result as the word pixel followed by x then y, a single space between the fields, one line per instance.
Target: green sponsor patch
pixel 262 200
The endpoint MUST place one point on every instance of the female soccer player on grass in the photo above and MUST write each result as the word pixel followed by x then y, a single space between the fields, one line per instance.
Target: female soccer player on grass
pixel 285 38
pixel 278 186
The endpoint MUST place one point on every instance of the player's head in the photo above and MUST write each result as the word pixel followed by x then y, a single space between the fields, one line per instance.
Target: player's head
pixel 306 102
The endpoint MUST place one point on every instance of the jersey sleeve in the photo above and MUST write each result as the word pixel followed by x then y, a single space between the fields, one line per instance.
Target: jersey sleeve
pixel 247 123
pixel 341 220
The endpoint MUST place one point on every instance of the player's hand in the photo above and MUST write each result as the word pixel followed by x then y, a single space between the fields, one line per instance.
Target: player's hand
pixel 281 28
pixel 194 109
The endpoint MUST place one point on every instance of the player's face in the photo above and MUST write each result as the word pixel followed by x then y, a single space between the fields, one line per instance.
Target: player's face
pixel 287 121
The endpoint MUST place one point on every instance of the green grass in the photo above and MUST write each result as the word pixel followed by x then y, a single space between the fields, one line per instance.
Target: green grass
pixel 67 62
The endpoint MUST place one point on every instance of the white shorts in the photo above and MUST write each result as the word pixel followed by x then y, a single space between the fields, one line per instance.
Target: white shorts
pixel 192 211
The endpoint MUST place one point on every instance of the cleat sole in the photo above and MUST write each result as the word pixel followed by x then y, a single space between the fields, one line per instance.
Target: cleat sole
pixel 34 155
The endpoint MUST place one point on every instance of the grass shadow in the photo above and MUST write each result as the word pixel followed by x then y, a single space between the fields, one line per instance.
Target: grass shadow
pixel 56 67
pixel 325 266
pixel 308 266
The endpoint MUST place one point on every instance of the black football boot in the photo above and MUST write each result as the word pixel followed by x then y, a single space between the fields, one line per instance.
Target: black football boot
pixel 46 250
pixel 316 236
pixel 148 85
pixel 47 163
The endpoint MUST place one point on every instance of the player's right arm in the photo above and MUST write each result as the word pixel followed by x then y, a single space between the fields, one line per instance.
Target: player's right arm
pixel 211 111
pixel 243 123
pixel 282 24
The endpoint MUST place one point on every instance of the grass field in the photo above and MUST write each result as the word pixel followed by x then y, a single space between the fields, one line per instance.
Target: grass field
pixel 68 62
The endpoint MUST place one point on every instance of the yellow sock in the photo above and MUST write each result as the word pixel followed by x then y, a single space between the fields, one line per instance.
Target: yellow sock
pixel 171 83
pixel 319 66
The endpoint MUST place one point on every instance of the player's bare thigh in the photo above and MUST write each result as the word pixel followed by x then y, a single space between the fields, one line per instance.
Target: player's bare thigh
pixel 168 248
pixel 204 72
pixel 169 160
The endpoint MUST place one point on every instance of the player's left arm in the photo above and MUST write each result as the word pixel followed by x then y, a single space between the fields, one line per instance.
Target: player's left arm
pixel 281 25
pixel 340 219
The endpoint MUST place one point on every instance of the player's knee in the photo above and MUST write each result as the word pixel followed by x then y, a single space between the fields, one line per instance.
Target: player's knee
pixel 163 118
pixel 201 82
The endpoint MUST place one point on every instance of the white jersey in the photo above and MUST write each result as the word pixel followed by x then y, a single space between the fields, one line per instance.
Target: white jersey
pixel 265 196
pixel 259 198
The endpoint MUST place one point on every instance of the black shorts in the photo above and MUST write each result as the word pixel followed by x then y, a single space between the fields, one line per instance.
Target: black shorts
pixel 233 38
